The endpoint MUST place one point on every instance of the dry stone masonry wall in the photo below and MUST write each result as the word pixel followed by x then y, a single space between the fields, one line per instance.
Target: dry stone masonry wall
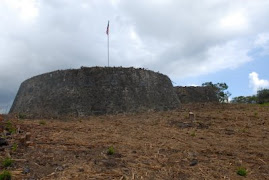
pixel 95 90
pixel 192 94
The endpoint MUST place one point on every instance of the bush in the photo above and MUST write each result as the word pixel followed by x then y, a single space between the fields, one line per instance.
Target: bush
pixel 21 116
pixel 14 147
pixel 10 128
pixel 110 151
pixel 242 171
pixel 7 162
pixel 5 175
pixel 193 134
pixel 42 122
pixel 265 104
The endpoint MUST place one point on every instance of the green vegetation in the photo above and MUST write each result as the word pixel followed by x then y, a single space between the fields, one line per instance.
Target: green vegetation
pixel 245 99
pixel 5 175
pixel 14 147
pixel 265 104
pixel 262 97
pixel 110 151
pixel 21 116
pixel 221 91
pixel 242 171
pixel 256 114
pixel 243 130
pixel 42 122
pixel 193 134
pixel 7 162
pixel 10 128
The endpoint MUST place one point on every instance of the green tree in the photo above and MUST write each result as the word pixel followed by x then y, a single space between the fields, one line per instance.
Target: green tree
pixel 263 96
pixel 245 99
pixel 221 91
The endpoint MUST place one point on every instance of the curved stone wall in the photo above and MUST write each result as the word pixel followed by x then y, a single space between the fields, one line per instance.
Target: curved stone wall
pixel 95 90
pixel 196 94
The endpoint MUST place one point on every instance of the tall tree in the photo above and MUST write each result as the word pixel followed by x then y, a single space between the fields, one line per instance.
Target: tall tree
pixel 221 91
pixel 263 96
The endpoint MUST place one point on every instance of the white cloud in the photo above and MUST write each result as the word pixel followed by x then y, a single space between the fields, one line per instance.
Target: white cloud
pixel 235 21
pixel 262 39
pixel 255 83
pixel 262 42
pixel 214 59
pixel 26 10
pixel 195 85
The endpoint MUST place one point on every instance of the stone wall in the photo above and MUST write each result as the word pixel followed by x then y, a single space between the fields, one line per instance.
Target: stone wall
pixel 192 94
pixel 95 90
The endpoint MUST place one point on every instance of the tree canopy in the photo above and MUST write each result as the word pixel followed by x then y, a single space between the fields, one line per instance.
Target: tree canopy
pixel 221 90
pixel 261 97
pixel 245 99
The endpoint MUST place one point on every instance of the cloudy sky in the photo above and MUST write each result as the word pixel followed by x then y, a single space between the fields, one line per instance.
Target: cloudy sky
pixel 190 41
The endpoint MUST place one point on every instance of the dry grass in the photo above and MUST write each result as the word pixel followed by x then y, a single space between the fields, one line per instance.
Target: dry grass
pixel 154 145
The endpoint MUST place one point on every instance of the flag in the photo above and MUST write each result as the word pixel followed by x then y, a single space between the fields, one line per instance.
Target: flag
pixel 107 29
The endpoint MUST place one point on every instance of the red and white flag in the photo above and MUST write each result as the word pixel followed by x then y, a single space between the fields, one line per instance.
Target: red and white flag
pixel 107 29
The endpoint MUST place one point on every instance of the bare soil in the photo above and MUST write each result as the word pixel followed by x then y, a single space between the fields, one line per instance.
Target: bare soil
pixel 152 145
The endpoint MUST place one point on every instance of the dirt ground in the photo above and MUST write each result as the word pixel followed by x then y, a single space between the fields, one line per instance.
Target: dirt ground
pixel 152 145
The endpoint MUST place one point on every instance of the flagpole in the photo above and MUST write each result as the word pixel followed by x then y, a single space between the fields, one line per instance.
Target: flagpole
pixel 107 33
pixel 108 49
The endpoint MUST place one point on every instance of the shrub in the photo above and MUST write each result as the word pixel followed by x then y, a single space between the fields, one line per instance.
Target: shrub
pixel 14 147
pixel 5 175
pixel 21 116
pixel 42 122
pixel 265 104
pixel 110 150
pixel 10 128
pixel 242 171
pixel 256 114
pixel 193 134
pixel 7 162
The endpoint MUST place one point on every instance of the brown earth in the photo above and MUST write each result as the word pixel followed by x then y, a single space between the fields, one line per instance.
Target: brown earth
pixel 153 145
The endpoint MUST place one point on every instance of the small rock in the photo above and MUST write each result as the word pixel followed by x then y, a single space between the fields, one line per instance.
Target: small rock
pixel 3 142
pixel 191 117
pixel 26 170
pixel 65 166
pixel 193 162
pixel 28 136
pixel 80 169
pixel 59 168
pixel 29 143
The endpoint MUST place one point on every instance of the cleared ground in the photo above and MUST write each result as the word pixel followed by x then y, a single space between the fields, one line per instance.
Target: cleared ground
pixel 152 145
